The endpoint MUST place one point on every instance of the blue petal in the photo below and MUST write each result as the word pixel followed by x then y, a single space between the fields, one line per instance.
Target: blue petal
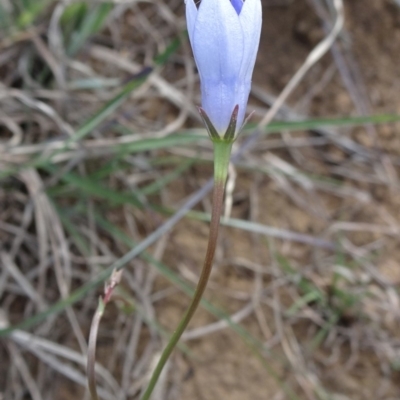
pixel 237 4
pixel 218 49
pixel 250 21
pixel 191 15
pixel 220 99
pixel 218 40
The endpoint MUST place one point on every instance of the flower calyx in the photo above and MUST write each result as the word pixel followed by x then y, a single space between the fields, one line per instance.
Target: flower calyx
pixel 230 132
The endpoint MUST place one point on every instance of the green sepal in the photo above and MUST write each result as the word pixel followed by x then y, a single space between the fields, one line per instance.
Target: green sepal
pixel 229 135
pixel 222 144
pixel 231 130
pixel 212 132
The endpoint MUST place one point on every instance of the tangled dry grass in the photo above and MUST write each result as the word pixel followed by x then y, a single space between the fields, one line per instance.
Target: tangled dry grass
pixel 101 156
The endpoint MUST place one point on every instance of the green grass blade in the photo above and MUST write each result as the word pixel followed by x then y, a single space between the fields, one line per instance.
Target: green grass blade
pixel 168 178
pixel 92 188
pixel 92 22
pixel 110 107
pixel 315 123
pixel 31 11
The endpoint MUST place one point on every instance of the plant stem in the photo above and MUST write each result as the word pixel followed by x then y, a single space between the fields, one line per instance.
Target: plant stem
pixel 114 280
pixel 91 356
pixel 222 150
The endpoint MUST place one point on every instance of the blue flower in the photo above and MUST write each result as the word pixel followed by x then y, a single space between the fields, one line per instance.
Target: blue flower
pixel 224 35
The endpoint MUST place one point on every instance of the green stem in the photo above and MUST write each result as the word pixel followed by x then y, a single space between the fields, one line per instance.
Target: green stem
pixel 222 151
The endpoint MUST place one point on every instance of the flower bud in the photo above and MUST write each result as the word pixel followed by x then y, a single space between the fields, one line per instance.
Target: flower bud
pixel 224 35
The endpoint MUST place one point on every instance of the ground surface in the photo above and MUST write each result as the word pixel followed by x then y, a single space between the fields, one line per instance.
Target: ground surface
pixel 310 322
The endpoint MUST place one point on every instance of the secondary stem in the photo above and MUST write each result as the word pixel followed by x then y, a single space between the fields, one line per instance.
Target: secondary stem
pixel 222 150
pixel 91 356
